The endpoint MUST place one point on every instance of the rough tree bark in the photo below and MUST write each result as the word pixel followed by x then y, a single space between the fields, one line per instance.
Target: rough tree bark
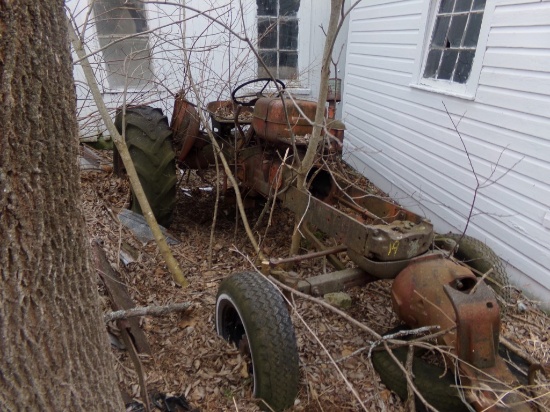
pixel 54 351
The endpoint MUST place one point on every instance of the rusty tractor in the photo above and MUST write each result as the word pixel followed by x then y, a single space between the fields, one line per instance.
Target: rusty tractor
pixel 382 239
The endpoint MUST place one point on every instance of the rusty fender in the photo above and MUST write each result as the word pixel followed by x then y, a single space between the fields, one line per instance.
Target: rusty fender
pixel 437 291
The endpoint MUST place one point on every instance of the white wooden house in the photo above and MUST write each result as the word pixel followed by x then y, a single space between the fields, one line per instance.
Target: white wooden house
pixel 139 49
pixel 411 64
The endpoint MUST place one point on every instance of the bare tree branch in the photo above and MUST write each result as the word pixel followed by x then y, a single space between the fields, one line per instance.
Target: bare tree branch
pixel 146 311
pixel 120 143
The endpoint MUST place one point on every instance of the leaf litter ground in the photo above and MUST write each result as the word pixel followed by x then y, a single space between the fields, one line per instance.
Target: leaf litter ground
pixel 187 355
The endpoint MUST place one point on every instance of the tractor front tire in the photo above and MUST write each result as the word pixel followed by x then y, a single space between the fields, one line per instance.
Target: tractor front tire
pixel 437 385
pixel 251 313
pixel 148 138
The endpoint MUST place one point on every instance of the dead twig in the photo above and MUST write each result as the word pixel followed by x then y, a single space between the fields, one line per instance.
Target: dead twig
pixel 132 351
pixel 146 311
pixel 333 362
pixel 435 306
pixel 410 383
pixel 326 305
pixel 410 390
pixel 479 280
pixel 516 350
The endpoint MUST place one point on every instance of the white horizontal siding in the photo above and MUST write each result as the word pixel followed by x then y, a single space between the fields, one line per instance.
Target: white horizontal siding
pixel 518 15
pixel 531 82
pixel 399 51
pixel 402 138
pixel 452 162
pixel 386 63
pixel 426 105
pixel 382 10
pixel 519 59
pixel 400 37
pixel 520 37
pixel 533 103
pixel 401 22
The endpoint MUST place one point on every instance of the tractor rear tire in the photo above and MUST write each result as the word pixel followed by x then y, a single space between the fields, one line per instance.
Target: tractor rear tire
pixel 251 313
pixel 477 255
pixel 148 138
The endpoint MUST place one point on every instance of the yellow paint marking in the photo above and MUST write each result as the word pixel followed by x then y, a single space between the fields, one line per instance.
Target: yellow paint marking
pixel 394 247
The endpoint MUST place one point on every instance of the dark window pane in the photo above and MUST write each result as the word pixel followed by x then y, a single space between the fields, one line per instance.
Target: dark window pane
pixel 479 5
pixel 288 35
pixel 463 66
pixel 463 5
pixel 267 7
pixel 128 61
pixel 456 31
pixel 119 17
pixel 270 60
pixel 137 16
pixel 447 64
pixel 446 6
pixel 289 7
pixel 432 63
pixel 269 57
pixel 440 31
pixel 267 33
pixel 472 33
pixel 288 65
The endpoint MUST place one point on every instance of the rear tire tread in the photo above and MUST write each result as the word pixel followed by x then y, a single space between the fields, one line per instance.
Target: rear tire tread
pixel 148 138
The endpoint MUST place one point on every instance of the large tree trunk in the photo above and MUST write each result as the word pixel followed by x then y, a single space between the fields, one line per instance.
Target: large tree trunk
pixel 54 355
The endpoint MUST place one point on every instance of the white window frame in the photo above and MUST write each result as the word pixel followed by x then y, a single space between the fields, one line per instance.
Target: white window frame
pixel 145 84
pixel 299 86
pixel 466 90
pixel 277 23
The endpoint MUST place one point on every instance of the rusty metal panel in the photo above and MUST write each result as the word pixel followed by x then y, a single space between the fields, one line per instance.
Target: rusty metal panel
pixel 185 125
pixel 441 292
pixel 328 219
pixel 383 270
pixel 478 323
pixel 382 209
pixel 270 121
pixel 397 240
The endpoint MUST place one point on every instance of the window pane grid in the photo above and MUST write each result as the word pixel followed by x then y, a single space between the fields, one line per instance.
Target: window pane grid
pixel 278 37
pixel 128 61
pixel 454 40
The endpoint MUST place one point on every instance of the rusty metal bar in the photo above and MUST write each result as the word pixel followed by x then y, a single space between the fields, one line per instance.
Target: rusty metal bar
pixel 333 259
pixel 299 258
pixel 357 208
pixel 478 321
pixel 334 281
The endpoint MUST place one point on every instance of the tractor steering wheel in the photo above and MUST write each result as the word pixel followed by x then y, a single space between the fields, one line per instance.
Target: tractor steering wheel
pixel 244 99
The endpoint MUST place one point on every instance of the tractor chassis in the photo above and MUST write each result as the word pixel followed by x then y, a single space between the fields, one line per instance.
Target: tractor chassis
pixel 383 240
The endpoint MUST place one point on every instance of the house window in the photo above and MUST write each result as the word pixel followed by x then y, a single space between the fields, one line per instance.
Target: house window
pixel 128 61
pixel 278 38
pixel 454 40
